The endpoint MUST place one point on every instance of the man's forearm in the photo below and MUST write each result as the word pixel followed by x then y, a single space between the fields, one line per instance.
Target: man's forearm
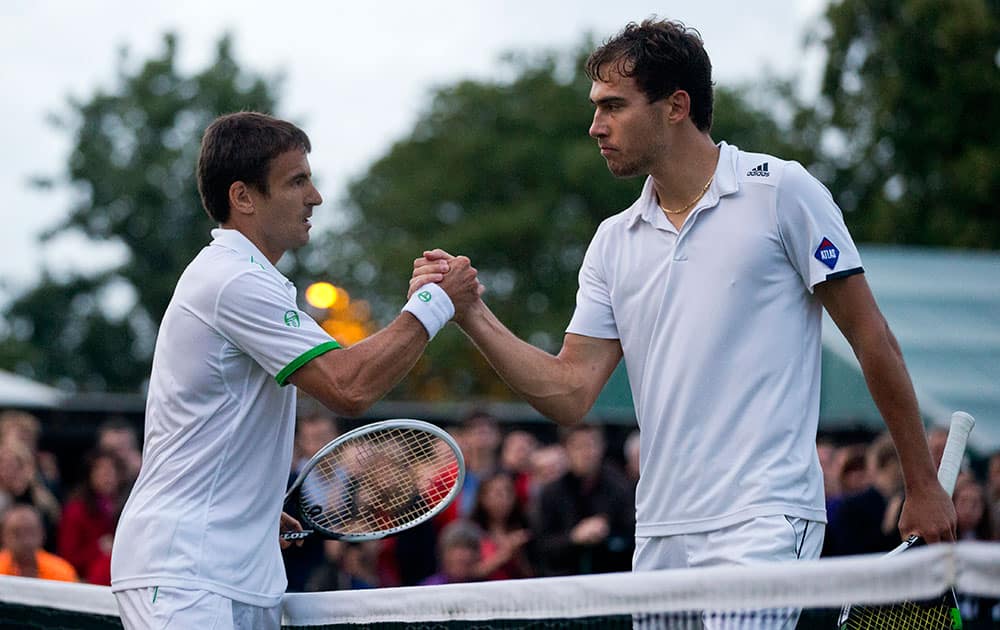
pixel 545 381
pixel 892 390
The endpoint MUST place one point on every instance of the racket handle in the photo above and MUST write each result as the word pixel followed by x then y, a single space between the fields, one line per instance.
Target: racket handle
pixel 951 464
pixel 954 450
pixel 295 535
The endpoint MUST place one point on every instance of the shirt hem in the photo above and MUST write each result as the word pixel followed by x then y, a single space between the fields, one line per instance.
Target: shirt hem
pixel 246 597
pixel 651 530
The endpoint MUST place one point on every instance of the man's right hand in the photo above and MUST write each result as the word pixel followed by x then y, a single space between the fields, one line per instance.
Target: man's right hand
pixel 454 274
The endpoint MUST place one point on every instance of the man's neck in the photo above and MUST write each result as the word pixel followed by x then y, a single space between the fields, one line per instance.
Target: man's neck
pixel 254 235
pixel 683 175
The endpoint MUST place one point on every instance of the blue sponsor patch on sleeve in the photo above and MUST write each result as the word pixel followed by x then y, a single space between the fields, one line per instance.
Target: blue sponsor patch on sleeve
pixel 827 253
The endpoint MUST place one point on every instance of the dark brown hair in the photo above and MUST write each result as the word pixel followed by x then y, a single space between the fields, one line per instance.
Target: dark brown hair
pixel 240 147
pixel 662 57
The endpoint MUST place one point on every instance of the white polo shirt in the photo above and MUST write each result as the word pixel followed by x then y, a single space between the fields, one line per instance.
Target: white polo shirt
pixel 219 425
pixel 721 337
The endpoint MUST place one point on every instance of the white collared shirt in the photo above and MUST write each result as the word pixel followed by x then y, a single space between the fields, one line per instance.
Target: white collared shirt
pixel 721 337
pixel 204 511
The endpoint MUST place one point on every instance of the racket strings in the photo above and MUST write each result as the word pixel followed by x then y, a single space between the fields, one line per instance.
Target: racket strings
pixel 383 480
pixel 909 615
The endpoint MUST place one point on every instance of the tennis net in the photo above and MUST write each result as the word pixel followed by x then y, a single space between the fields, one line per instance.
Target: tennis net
pixel 762 596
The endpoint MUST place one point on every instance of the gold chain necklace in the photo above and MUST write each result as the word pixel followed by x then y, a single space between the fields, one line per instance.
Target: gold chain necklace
pixel 693 201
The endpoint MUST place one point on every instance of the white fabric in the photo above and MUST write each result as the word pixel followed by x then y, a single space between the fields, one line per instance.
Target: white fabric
pixel 721 337
pixel 432 307
pixel 763 539
pixel 204 511
pixel 759 540
pixel 163 608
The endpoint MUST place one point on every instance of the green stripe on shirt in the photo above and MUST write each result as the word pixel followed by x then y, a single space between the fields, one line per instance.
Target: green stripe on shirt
pixel 302 359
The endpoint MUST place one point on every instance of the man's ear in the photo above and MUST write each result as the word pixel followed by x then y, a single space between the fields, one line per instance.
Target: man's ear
pixel 240 200
pixel 678 106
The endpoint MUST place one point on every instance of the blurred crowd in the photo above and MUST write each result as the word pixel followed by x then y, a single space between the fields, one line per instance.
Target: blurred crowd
pixel 53 530
pixel 528 507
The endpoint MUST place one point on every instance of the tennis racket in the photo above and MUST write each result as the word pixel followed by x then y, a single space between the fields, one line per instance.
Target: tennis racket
pixel 939 613
pixel 377 480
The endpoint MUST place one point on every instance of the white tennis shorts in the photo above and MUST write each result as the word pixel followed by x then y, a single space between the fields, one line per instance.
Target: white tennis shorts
pixel 762 539
pixel 164 607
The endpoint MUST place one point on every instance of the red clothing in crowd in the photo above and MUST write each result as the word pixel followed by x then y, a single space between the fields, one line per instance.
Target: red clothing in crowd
pixel 85 533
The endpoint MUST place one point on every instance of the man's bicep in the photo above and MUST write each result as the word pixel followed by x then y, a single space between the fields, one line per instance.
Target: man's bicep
pixel 851 306
pixel 321 379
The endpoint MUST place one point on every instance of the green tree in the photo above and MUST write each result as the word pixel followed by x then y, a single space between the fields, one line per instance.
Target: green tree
pixel 912 88
pixel 131 169
pixel 504 172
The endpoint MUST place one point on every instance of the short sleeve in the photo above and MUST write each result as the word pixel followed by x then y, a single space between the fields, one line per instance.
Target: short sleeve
pixel 259 316
pixel 812 229
pixel 594 315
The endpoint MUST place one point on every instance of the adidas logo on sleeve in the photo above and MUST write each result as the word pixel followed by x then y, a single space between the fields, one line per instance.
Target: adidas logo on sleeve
pixel 759 171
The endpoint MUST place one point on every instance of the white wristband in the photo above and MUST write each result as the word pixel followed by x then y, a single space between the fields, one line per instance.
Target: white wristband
pixel 432 306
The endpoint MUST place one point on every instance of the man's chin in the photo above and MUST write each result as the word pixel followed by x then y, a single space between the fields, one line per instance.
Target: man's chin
pixel 624 172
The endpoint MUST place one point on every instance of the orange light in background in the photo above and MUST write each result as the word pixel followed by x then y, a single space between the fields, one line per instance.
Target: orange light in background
pixel 322 294
pixel 345 332
pixel 346 321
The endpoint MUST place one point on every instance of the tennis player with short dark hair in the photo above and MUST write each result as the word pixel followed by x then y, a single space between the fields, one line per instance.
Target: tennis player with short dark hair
pixel 197 545
pixel 712 286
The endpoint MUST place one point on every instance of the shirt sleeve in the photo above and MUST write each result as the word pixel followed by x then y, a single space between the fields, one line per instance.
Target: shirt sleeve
pixel 594 315
pixel 812 229
pixel 259 316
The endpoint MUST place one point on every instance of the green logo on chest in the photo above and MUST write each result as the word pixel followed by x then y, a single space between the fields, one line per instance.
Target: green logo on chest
pixel 292 319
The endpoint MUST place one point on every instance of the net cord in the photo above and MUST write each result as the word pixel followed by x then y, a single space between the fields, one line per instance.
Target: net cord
pixel 919 574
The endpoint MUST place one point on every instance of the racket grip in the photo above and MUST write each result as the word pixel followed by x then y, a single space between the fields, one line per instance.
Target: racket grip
pixel 954 450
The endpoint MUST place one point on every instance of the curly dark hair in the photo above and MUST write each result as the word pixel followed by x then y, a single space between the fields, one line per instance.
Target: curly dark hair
pixel 663 57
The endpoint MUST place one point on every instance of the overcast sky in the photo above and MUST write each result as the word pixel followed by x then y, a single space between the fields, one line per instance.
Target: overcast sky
pixel 357 75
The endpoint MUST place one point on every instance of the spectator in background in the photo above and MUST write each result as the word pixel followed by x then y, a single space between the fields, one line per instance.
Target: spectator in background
pixel 852 469
pixel 974 520
pixel 458 551
pixel 847 475
pixel 585 522
pixel 867 522
pixel 312 432
pixel 22 535
pixel 515 458
pixel 480 444
pixel 26 429
pixel 19 484
pixel 993 492
pixel 506 534
pixel 87 527
pixel 937 438
pixel 548 464
pixel 827 452
pixel 345 566
pixel 631 452
pixel 119 437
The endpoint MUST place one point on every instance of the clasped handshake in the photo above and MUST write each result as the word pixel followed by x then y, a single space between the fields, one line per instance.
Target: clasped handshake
pixel 454 274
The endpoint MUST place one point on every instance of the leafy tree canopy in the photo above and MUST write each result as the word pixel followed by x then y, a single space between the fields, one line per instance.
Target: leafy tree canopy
pixel 131 170
pixel 912 88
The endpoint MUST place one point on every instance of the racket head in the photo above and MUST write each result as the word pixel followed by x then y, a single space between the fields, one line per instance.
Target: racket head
pixel 379 479
pixel 940 613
